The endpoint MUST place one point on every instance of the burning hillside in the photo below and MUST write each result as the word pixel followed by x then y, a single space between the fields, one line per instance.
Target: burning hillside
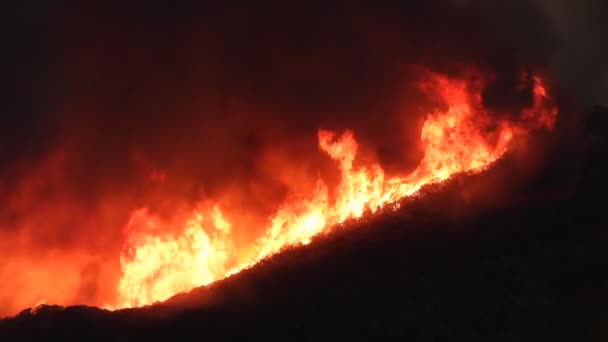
pixel 153 150
pixel 448 264
pixel 461 137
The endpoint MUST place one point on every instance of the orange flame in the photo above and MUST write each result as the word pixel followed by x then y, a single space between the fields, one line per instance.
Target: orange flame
pixel 463 138
pixel 157 266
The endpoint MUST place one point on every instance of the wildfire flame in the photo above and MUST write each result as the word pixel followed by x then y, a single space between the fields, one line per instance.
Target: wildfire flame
pixel 465 137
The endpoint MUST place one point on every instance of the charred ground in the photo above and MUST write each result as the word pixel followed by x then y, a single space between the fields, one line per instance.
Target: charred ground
pixel 526 265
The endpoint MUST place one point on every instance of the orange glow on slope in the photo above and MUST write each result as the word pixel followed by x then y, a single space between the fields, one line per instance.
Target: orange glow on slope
pixel 463 137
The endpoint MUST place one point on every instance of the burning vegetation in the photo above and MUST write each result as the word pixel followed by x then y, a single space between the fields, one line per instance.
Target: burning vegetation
pixel 459 138
pixel 177 149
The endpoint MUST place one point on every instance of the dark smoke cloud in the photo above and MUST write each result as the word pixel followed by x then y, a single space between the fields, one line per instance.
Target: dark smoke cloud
pixel 566 35
pixel 110 107
pixel 581 60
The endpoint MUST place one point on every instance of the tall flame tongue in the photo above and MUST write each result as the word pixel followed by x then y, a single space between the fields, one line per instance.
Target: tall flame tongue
pixel 157 266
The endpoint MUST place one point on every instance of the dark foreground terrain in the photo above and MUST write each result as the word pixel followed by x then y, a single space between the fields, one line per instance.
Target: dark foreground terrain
pixel 492 257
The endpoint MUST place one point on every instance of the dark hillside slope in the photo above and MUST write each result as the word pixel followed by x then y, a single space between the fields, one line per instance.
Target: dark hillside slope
pixel 528 263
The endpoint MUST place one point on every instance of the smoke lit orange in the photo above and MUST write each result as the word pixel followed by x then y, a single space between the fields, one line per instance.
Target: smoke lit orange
pixel 465 137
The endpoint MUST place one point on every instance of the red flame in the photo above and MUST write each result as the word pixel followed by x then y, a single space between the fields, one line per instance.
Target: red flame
pixel 465 137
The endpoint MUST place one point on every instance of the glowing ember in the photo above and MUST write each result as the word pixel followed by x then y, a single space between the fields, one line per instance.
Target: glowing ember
pixel 156 266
